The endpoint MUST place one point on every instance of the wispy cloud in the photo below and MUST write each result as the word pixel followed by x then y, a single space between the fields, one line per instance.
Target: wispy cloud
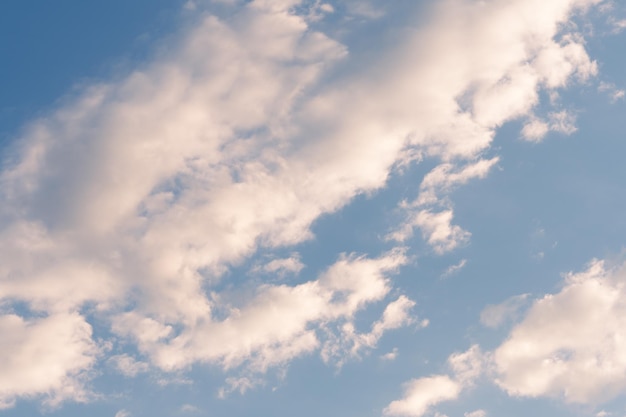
pixel 454 269
pixel 495 315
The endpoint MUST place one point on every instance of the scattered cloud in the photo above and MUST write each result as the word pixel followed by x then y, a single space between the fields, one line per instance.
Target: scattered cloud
pixel 279 321
pixel 423 394
pixel 188 408
pixel 396 315
pixel 563 122
pixel 467 366
pixel 282 266
pixel 568 345
pixel 445 177
pixel 327 8
pixel 612 91
pixel 136 195
pixel 439 232
pixel 534 130
pixel 437 228
pixel 454 269
pixel 365 9
pixel 617 25
pixel 128 366
pixel 390 356
pixel 420 395
pixel 240 385
pixel 476 413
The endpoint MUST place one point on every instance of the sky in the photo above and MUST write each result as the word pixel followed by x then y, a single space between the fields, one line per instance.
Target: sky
pixel 349 208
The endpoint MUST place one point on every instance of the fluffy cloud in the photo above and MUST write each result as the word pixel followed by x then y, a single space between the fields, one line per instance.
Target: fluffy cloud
pixel 47 357
pixel 498 83
pixel 138 194
pixel 423 394
pixel 561 122
pixel 438 230
pixel 278 323
pixel 570 345
pixel 467 366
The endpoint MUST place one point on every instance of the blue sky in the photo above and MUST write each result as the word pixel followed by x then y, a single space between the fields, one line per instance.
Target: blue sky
pixel 298 207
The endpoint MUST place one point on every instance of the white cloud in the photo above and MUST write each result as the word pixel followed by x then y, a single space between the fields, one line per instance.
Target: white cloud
pixel 327 8
pixel 445 177
pixel 611 89
pixel 365 9
pixel 495 315
pixel 619 25
pixel 570 345
pixel 282 266
pixel 420 395
pixel 47 357
pixel 142 191
pixel 618 95
pixel 453 269
pixel 123 413
pixel 468 365
pixel 188 408
pixel 241 385
pixel 390 356
pixel 423 394
pixel 476 413
pixel 128 366
pixel 349 342
pixel 279 322
pixel 534 130
pixel 318 10
pixel 438 230
pixel 558 61
pixel 562 121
